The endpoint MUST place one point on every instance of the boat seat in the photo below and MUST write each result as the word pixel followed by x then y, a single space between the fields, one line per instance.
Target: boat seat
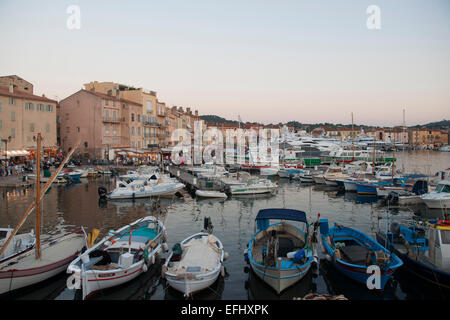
pixel 354 254
pixel 285 246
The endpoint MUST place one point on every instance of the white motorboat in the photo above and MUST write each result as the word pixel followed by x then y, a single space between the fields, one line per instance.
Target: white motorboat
pixel 140 189
pixel 268 171
pixel 120 256
pixel 195 263
pixel 19 243
pixel 254 186
pixel 439 198
pixel 210 194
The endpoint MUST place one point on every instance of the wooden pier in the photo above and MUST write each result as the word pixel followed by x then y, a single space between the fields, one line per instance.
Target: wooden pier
pixel 193 182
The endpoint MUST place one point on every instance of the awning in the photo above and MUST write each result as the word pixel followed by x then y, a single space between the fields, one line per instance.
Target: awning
pixel 284 214
pixel 15 153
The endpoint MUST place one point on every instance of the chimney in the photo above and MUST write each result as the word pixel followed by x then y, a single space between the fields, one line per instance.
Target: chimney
pixel 11 88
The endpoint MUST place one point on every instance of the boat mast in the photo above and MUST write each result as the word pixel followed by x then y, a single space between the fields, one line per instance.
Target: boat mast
pixel 38 197
pixel 353 140
pixel 403 156
pixel 393 160
pixel 42 193
pixel 373 157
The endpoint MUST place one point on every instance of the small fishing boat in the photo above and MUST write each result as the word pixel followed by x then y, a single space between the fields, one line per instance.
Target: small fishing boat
pixel 352 252
pixel 281 253
pixel 19 243
pixel 210 194
pixel 196 262
pixel 120 256
pixel 439 198
pixel 369 187
pixel 424 249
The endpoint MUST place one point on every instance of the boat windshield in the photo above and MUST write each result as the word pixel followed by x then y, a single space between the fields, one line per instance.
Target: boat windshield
pixel 443 188
pixel 445 236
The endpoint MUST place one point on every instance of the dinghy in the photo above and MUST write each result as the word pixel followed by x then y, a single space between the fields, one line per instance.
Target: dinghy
pixel 352 252
pixel 281 253
pixel 210 194
pixel 119 257
pixel 196 262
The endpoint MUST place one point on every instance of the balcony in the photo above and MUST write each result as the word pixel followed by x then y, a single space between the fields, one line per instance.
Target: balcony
pixel 111 120
pixel 150 123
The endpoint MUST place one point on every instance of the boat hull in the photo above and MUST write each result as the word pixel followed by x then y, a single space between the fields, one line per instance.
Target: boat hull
pixel 13 277
pixel 350 186
pixel 279 280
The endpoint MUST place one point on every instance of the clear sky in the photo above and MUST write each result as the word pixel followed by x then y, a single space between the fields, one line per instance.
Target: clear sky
pixel 267 61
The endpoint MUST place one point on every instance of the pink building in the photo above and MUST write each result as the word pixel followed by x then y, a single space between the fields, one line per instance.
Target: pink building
pixel 100 121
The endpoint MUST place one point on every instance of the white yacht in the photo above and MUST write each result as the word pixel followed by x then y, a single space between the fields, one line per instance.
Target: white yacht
pixel 439 198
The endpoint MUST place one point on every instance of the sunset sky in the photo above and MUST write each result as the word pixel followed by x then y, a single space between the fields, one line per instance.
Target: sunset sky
pixel 267 61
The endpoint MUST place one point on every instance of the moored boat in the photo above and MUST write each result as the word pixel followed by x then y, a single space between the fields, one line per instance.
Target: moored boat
pixel 196 262
pixel 281 253
pixel 120 256
pixel 423 248
pixel 439 198
pixel 352 252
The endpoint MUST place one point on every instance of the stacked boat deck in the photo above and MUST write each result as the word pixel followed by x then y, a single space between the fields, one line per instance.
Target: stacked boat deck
pixel 200 255
pixel 289 240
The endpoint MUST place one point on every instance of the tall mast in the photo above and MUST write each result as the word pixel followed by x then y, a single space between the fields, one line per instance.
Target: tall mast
pixel 393 162
pixel 38 197
pixel 353 140
pixel 373 157
pixel 403 156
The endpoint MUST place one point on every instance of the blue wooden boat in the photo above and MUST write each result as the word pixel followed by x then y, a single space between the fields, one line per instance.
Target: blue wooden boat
pixel 425 249
pixel 282 253
pixel 352 252
pixel 369 187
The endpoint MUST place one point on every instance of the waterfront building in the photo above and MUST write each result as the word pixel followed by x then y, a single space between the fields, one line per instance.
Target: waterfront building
pixel 22 115
pixel 104 123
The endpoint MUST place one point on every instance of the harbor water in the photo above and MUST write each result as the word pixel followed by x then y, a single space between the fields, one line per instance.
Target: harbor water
pixel 67 207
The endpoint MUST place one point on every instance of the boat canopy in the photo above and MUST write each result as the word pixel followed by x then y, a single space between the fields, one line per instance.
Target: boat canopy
pixel 281 213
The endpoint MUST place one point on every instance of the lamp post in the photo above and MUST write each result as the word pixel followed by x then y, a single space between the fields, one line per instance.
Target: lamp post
pixel 5 141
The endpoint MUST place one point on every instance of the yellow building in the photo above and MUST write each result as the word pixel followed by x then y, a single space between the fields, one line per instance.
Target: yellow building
pixel 22 116
pixel 428 137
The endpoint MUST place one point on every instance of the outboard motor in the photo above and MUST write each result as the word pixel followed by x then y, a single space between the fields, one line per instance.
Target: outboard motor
pixel 395 229
pixel 207 224
pixel 420 187
pixel 102 192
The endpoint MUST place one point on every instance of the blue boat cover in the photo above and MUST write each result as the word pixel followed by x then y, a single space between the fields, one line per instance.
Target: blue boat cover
pixel 280 213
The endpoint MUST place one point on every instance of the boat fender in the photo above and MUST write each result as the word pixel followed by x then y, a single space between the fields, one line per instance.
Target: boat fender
pixel 152 259
pixel 165 247
pixel 225 255
pixel 144 267
pixel 337 254
pixel 222 271
pixel 163 272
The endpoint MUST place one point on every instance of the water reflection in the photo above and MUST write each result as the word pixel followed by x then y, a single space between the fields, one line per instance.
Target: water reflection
pixel 67 207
